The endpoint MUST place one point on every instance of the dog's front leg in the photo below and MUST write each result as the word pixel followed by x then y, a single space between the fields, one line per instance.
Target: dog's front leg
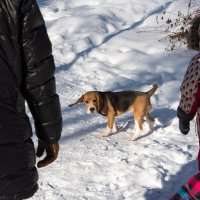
pixel 106 133
pixel 111 126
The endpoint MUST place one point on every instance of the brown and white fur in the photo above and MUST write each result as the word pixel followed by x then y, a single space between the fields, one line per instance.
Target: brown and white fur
pixel 112 104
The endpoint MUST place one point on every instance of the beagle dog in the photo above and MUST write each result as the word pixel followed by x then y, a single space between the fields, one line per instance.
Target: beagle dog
pixel 112 104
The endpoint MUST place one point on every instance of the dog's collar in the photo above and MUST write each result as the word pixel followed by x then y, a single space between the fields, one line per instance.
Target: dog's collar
pixel 102 113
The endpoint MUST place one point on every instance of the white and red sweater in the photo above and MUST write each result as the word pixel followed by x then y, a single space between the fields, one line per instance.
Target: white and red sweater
pixel 190 91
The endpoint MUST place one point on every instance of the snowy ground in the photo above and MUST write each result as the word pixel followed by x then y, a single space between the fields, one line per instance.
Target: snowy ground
pixel 113 45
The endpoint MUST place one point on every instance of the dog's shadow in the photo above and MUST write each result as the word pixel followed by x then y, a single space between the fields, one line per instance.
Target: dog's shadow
pixel 125 126
pixel 128 127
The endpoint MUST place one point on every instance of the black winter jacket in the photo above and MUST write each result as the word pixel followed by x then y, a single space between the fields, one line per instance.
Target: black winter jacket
pixel 26 69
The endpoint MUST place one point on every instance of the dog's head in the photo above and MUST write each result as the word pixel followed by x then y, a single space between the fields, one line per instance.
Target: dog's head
pixel 92 100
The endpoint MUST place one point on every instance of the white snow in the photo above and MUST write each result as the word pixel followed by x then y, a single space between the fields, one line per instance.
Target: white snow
pixel 113 45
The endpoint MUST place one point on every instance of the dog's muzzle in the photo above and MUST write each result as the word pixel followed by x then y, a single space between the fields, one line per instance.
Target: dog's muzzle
pixel 91 109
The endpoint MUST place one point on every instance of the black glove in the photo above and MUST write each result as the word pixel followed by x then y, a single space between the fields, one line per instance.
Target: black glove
pixel 184 126
pixel 184 121
pixel 51 153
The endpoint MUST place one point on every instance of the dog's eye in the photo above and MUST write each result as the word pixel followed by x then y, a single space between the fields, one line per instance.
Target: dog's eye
pixel 86 102
pixel 94 100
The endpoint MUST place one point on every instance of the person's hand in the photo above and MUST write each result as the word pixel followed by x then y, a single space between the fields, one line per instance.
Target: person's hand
pixel 51 153
pixel 184 120
pixel 184 126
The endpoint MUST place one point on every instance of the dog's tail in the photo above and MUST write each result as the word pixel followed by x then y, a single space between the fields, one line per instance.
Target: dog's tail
pixel 152 91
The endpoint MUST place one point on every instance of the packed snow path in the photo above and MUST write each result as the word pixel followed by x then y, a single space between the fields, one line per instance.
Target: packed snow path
pixel 113 45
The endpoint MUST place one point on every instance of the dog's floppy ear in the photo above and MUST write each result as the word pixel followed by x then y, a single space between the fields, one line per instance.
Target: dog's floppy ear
pixel 80 100
pixel 99 101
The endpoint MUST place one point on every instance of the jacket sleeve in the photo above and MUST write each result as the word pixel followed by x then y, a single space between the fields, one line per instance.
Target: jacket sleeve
pixel 38 80
pixel 191 190
pixel 190 91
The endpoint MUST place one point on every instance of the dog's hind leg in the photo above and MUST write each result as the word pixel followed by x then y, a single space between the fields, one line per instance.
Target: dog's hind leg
pixel 150 120
pixel 138 126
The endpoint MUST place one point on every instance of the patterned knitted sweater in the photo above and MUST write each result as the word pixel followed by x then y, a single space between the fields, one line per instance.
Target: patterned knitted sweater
pixel 190 91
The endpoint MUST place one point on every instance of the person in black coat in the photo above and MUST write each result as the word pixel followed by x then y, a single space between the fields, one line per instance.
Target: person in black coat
pixel 26 74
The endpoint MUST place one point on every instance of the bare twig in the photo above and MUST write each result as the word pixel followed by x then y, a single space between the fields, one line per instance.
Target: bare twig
pixel 177 27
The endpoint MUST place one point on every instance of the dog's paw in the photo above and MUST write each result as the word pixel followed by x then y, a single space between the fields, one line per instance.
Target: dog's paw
pixel 104 134
pixel 151 125
pixel 133 137
pixel 100 137
pixel 114 130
